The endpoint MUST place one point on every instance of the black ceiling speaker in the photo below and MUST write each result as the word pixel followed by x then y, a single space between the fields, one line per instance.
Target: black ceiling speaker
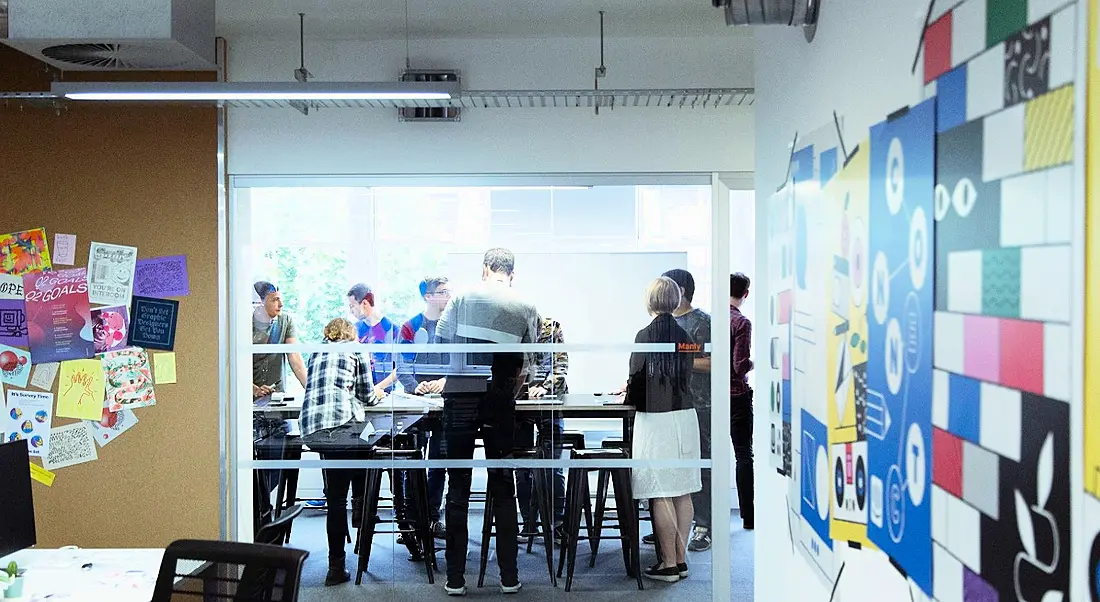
pixel 793 13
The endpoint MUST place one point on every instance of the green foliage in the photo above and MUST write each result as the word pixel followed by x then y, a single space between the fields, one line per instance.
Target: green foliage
pixel 312 281
pixel 13 569
pixel 400 270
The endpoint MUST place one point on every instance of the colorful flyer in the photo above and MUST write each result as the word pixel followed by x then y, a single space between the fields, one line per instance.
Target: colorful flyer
pixel 28 419
pixel 24 252
pixel 112 424
pixel 162 277
pixel 15 366
pixel 111 273
pixel 129 380
pixel 59 316
pixel 110 328
pixel 80 390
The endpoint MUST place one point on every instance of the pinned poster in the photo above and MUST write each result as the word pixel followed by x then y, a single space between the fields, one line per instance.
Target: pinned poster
pixel 129 380
pixel 80 392
pixel 164 368
pixel 70 445
pixel 59 316
pixel 24 252
pixel 153 323
pixel 13 311
pixel 111 273
pixel 15 366
pixel 28 419
pixel 44 375
pixel 162 277
pixel 64 249
pixel 11 287
pixel 110 328
pixel 112 424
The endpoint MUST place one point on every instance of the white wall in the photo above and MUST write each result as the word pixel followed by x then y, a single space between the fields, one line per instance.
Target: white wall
pixel 372 141
pixel 858 65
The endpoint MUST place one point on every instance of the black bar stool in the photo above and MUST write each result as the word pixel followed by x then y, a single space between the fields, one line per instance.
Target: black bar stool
pixel 569 440
pixel 416 522
pixel 540 500
pixel 578 499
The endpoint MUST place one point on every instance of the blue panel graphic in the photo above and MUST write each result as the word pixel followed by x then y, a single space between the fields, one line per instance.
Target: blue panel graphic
pixel 951 99
pixel 828 165
pixel 899 367
pixel 802 165
pixel 786 401
pixel 815 476
pixel 964 414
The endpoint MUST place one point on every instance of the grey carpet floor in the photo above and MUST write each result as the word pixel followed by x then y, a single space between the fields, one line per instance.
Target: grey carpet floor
pixel 392 577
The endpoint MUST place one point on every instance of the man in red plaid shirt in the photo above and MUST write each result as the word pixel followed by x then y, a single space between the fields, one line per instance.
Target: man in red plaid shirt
pixel 741 395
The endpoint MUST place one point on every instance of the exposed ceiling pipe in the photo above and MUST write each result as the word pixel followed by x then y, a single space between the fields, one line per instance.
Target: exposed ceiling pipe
pixel 301 73
pixel 601 71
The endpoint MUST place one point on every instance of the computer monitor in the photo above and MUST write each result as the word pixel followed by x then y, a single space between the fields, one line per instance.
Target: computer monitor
pixel 17 517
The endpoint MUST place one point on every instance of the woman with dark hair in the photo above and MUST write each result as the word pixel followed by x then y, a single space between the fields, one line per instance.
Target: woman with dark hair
pixel 666 427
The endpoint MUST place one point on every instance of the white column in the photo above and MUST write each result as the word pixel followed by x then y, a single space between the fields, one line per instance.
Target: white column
pixel 719 388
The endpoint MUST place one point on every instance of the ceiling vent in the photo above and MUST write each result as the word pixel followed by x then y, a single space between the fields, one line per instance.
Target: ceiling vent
pixel 112 35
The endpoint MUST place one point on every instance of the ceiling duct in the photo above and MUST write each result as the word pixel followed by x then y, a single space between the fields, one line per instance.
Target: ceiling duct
pixel 112 35
pixel 795 13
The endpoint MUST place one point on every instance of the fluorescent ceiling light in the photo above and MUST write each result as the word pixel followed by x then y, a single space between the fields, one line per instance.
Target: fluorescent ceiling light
pixel 220 91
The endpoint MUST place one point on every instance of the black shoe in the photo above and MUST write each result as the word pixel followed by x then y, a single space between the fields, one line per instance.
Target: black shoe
pixel 337 574
pixel 650 540
pixel 681 568
pixel 454 589
pixel 668 575
pixel 400 539
pixel 747 525
pixel 700 540
pixel 439 530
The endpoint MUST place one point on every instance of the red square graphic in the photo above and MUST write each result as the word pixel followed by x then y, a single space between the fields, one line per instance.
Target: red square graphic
pixel 1022 355
pixel 783 301
pixel 947 455
pixel 937 48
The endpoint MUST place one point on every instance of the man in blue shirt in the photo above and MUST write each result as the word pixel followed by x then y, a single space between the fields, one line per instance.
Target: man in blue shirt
pixel 373 327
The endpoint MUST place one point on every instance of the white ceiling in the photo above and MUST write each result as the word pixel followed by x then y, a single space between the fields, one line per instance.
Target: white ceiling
pixel 380 19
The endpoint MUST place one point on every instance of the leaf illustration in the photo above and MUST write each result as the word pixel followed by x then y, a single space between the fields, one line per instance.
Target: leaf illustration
pixel 1053 596
pixel 1044 472
pixel 1023 524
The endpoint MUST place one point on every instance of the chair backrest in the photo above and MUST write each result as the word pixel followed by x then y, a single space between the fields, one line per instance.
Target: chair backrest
pixel 226 571
pixel 275 532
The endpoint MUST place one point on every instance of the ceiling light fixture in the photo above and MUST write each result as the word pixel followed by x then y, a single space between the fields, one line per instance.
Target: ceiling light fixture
pixel 277 91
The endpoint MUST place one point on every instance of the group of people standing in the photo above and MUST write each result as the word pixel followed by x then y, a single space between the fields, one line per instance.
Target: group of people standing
pixel 670 392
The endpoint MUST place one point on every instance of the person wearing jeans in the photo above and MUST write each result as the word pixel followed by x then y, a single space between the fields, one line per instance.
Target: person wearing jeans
pixel 741 397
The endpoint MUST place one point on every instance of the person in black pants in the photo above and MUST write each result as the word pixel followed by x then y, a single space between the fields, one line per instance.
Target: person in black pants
pixel 741 397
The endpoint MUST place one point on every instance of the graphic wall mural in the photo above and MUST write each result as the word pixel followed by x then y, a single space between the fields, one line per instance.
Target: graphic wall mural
pixel 922 320
pixel 1091 476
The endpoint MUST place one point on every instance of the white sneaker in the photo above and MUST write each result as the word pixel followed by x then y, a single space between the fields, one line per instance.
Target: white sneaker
pixel 454 591
pixel 511 589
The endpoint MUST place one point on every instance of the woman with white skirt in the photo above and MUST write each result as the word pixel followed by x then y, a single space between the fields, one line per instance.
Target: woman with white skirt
pixel 666 427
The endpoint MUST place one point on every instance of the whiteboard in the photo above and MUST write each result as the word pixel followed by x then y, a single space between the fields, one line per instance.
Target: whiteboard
pixel 599 298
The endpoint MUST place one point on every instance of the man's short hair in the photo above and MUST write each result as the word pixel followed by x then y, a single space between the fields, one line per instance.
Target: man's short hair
pixel 264 288
pixel 431 283
pixel 662 296
pixel 500 260
pixel 739 285
pixel 684 279
pixel 361 291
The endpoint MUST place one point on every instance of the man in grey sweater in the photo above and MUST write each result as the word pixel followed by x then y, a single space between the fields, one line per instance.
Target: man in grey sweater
pixel 475 405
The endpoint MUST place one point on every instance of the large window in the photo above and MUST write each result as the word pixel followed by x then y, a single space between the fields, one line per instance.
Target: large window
pixel 584 258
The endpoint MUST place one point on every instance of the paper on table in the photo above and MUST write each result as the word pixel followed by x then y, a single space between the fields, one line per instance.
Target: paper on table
pixel 42 475
pixel 28 419
pixel 70 444
pixel 81 390
pixel 64 249
pixel 367 431
pixel 162 277
pixel 44 375
pixel 112 424
pixel 164 368
pixel 111 273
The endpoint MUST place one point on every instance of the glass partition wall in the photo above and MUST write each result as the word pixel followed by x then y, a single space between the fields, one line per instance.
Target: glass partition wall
pixel 491 373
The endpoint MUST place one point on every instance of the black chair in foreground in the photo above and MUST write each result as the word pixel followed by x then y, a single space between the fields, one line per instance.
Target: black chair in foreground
pixel 230 571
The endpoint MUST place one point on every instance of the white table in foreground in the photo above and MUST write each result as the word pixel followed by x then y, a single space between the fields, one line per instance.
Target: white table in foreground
pixel 118 575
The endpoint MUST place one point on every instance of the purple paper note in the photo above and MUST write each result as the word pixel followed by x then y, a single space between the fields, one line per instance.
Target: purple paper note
pixel 162 277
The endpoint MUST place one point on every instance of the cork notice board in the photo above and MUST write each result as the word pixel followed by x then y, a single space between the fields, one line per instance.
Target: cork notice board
pixel 143 176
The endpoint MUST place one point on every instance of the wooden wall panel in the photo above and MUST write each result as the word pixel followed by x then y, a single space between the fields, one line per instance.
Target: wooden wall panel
pixel 143 176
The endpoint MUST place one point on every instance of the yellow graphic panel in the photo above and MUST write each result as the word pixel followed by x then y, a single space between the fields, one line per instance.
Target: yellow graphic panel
pixel 1092 261
pixel 846 199
pixel 1048 129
